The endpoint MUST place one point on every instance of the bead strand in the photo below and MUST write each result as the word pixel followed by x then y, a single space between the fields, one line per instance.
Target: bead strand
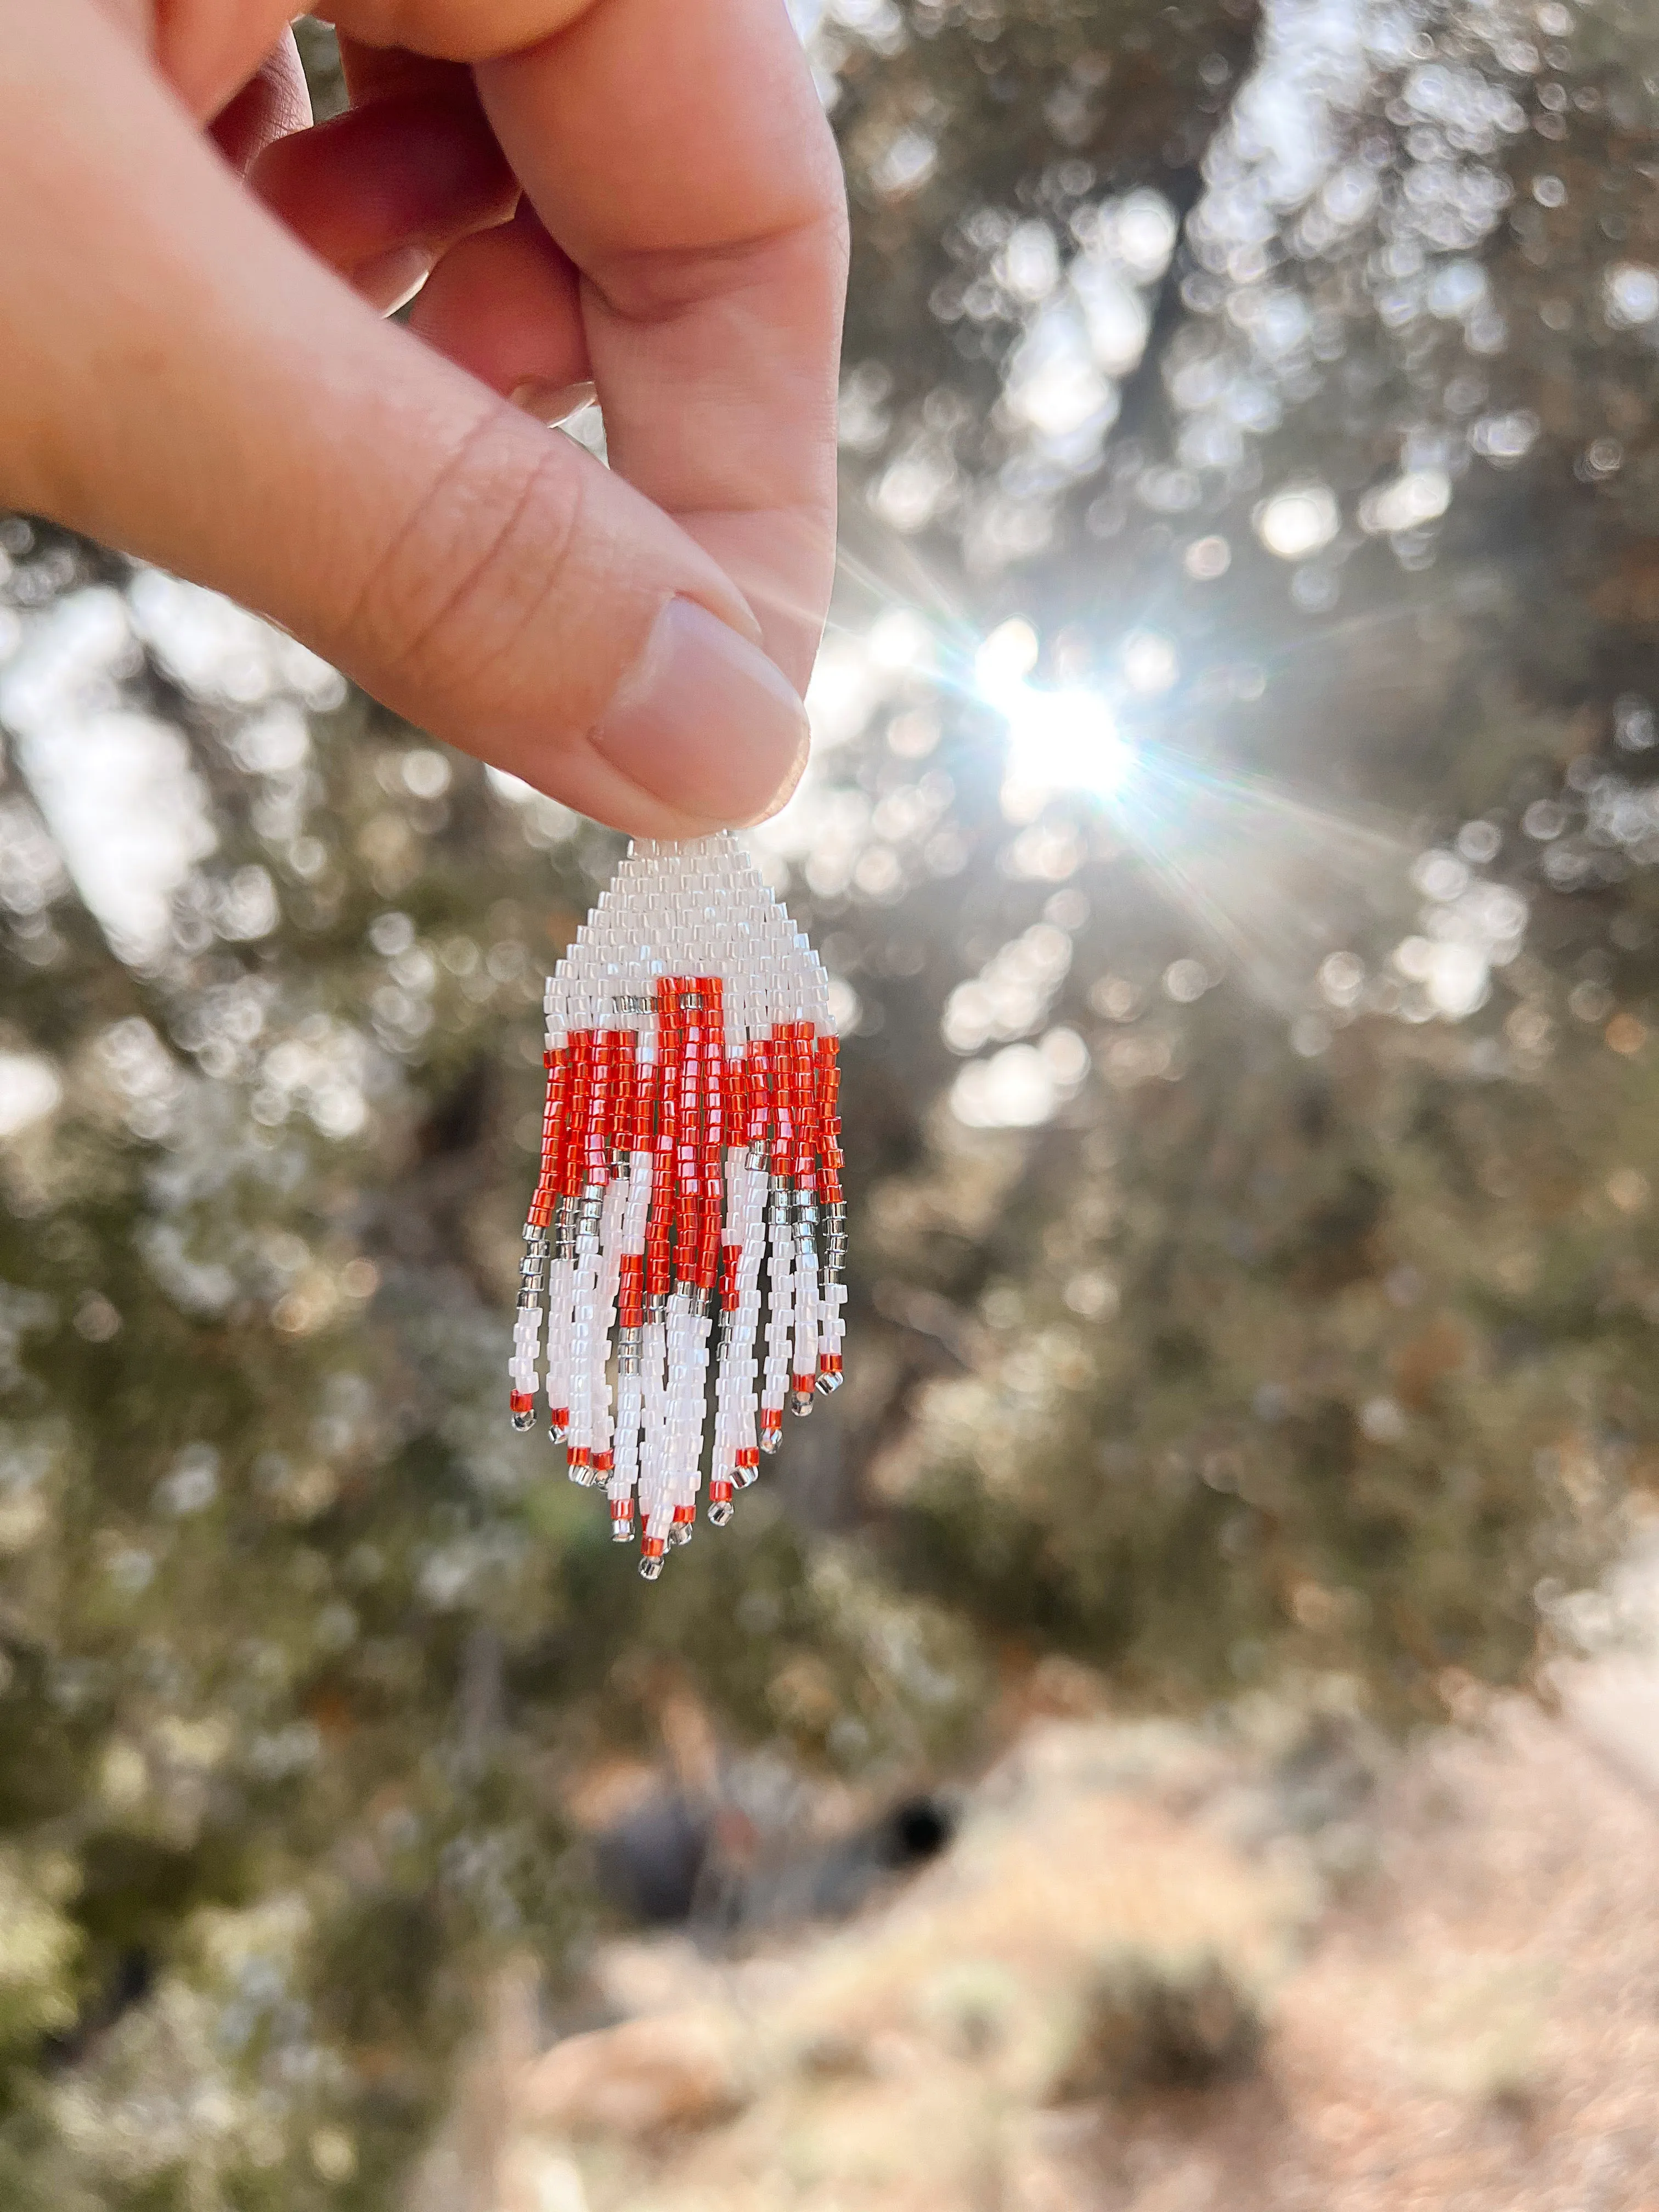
pixel 687 1232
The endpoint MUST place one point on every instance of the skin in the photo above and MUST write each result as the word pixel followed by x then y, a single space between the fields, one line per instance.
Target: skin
pixel 636 196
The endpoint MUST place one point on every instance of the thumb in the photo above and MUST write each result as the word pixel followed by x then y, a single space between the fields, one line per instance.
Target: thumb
pixel 185 382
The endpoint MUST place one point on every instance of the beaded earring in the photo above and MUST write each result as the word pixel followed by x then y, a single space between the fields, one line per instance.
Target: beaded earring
pixel 691 1141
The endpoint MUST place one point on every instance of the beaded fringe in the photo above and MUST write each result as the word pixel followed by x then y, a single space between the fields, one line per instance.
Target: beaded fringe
pixel 691 1146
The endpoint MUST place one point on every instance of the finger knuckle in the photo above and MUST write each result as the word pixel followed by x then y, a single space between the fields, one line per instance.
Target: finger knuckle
pixel 487 543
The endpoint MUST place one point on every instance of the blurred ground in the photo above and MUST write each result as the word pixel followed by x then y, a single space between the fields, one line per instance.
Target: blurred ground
pixel 1164 1969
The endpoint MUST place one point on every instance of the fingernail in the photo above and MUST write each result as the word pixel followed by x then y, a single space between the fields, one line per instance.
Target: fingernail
pixel 392 280
pixel 552 403
pixel 704 722
pixel 785 791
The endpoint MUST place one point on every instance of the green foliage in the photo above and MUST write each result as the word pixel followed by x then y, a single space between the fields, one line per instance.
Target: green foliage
pixel 38 1946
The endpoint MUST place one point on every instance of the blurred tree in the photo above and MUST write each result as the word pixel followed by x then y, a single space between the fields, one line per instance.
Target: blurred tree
pixel 301 1641
pixel 1313 1327
pixel 1250 1111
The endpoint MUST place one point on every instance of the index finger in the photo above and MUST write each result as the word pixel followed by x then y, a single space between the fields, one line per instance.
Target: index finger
pixel 678 152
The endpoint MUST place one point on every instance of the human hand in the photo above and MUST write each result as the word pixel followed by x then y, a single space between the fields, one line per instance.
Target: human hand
pixel 194 365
